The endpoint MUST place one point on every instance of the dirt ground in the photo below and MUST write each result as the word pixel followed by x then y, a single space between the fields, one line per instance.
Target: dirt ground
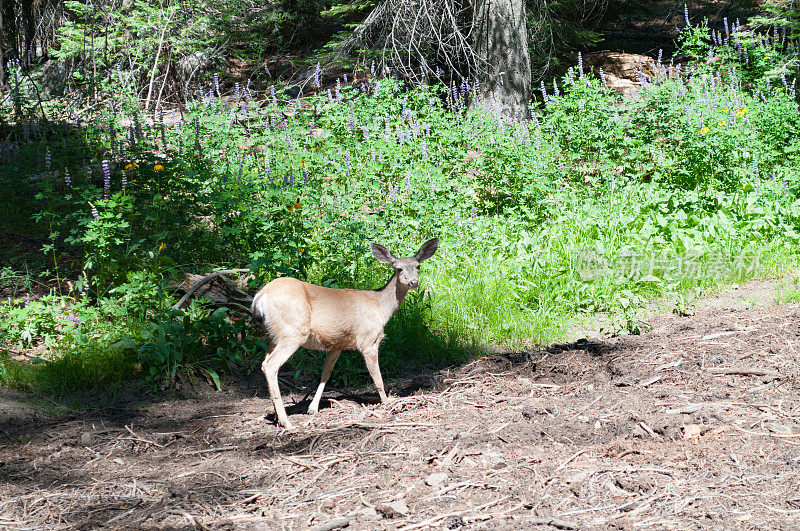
pixel 693 424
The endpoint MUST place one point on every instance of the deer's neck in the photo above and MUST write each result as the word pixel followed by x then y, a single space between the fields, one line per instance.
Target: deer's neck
pixel 391 297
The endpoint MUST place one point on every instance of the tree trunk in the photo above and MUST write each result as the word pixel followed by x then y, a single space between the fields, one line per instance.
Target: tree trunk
pixel 501 43
pixel 2 48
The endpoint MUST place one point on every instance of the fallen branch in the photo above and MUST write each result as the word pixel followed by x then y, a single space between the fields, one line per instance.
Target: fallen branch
pixel 558 523
pixel 210 450
pixel 209 278
pixel 743 371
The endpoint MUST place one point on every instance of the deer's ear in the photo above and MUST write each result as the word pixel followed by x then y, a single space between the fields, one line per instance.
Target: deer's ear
pixel 382 253
pixel 427 250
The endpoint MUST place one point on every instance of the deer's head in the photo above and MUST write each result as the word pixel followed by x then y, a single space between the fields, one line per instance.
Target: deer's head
pixel 407 269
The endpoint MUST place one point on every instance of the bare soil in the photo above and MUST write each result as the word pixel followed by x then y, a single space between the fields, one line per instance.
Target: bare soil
pixel 693 424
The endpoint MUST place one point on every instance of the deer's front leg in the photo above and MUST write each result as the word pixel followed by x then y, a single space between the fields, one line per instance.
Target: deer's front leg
pixel 330 361
pixel 371 359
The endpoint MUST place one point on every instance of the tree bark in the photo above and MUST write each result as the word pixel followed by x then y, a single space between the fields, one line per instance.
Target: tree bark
pixel 501 43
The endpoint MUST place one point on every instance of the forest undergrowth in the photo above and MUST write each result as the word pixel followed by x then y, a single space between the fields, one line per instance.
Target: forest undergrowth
pixel 596 205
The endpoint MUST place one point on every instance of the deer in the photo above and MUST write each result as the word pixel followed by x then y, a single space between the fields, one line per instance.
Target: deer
pixel 298 314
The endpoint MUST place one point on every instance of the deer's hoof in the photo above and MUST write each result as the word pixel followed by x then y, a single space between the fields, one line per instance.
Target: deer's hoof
pixel 285 424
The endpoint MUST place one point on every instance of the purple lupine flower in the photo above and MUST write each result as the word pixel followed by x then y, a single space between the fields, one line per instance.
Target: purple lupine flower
pixel 216 83
pixel 338 91
pixel 755 165
pixel 347 159
pixel 305 174
pixel 365 132
pixel 783 80
pixel 427 129
pixel 686 14
pixel 317 71
pixel 67 179
pixel 424 150
pixel 47 159
pixel 330 96
pixel 377 88
pixel 95 214
pixel 544 92
pixel 124 181
pixel 68 317
pixel 345 78
pixel 270 176
pixel 372 69
pixel 351 119
pixel 580 65
pixel 288 179
pixel 137 127
pixel 272 94
pixel 408 182
pixel 244 108
pixel 602 76
pixel 570 77
pixel 393 189
pixel 289 141
pixel 106 178
pixel 556 92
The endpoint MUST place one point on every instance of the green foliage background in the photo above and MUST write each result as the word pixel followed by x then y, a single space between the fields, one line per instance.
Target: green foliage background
pixel 596 206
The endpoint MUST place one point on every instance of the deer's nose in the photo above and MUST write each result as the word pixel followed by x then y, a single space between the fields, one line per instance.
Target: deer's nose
pixel 413 283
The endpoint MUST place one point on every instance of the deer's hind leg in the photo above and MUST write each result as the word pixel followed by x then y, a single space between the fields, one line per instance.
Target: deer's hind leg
pixel 272 363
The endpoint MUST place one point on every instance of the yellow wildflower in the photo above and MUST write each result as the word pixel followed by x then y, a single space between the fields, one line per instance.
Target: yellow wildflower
pixel 741 112
pixel 132 166
pixel 725 110
pixel 162 246
pixel 158 167
pixel 704 130
pixel 722 122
